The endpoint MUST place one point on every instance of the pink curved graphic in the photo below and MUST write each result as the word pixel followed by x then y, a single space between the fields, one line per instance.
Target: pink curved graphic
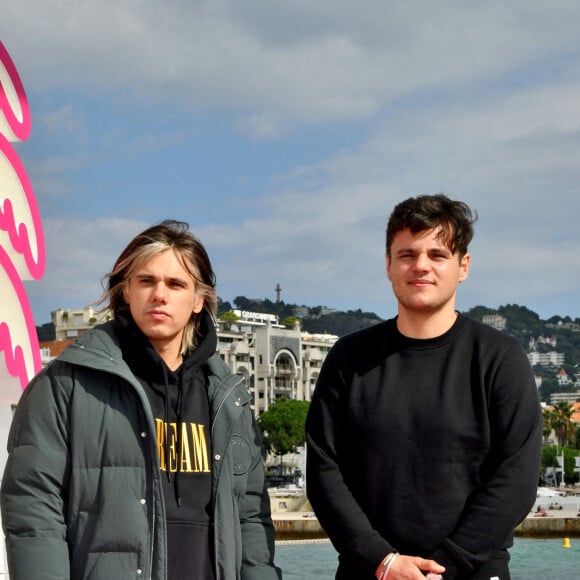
pixel 22 250
pixel 19 127
pixel 31 247
pixel 18 339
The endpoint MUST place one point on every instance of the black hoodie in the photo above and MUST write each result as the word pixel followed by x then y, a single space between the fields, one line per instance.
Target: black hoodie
pixel 181 412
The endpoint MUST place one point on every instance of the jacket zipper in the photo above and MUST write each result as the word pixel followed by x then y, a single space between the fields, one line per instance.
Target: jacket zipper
pixel 214 500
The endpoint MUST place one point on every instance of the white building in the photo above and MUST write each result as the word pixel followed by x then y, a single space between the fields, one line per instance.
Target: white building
pixel 496 320
pixel 568 397
pixel 276 361
pixel 74 323
pixel 552 358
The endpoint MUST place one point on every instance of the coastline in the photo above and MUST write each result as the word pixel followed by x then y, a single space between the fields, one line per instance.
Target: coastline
pixel 297 526
pixel 303 527
pixel 560 508
pixel 563 523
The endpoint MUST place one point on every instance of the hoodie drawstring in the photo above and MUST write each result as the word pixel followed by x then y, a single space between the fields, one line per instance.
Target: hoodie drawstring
pixel 178 431
pixel 179 435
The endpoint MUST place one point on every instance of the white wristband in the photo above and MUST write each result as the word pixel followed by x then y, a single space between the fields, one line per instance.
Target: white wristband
pixel 389 564
pixel 383 565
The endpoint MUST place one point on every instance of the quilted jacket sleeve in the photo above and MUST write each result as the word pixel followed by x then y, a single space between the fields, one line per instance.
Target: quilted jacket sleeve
pixel 34 488
pixel 255 519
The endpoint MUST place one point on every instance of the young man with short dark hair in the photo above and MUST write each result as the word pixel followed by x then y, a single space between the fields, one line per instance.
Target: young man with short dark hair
pixel 424 432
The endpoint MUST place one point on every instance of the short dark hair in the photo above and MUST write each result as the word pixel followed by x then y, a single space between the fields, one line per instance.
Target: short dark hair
pixel 166 235
pixel 425 212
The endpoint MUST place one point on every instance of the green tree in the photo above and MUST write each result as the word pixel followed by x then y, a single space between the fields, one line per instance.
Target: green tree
pixel 561 421
pixel 223 306
pixel 341 323
pixel 478 312
pixel 46 332
pixel 549 382
pixel 290 321
pixel 282 425
pixel 547 427
pixel 243 303
pixel 550 455
pixel 229 317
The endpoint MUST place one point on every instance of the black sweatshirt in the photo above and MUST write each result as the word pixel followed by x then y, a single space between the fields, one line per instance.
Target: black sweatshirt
pixel 428 447
pixel 181 411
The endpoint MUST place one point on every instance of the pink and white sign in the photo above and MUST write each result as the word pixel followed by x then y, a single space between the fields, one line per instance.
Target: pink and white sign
pixel 22 250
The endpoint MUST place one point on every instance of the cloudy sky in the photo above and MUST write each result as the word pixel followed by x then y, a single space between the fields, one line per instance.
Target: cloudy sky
pixel 284 133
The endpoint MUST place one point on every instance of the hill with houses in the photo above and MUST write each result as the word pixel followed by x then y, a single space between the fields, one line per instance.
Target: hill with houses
pixel 553 345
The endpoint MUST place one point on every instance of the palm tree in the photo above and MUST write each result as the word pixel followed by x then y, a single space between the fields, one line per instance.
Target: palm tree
pixel 228 318
pixel 547 427
pixel 561 422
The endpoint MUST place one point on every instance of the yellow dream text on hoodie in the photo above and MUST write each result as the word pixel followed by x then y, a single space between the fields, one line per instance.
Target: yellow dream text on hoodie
pixel 192 457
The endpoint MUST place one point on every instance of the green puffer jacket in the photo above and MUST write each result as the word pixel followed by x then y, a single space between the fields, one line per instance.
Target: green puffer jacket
pixel 81 494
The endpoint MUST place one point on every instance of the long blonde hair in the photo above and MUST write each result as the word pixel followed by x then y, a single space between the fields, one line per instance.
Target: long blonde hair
pixel 166 235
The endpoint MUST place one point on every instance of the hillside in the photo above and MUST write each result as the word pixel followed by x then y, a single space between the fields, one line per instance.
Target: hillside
pixel 522 323
pixel 317 319
pixel 558 334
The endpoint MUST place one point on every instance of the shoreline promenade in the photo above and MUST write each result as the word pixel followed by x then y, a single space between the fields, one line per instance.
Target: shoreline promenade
pixel 303 526
pixel 561 507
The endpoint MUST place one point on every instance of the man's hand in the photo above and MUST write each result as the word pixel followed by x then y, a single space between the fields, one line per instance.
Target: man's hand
pixel 413 568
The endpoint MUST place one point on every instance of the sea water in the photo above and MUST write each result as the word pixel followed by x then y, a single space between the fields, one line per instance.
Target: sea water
pixel 530 559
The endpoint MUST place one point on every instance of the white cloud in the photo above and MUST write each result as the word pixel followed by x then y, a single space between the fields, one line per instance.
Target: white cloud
pixel 79 254
pixel 315 62
pixel 479 100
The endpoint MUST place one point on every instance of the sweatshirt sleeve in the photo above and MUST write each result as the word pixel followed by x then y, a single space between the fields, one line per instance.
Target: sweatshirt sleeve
pixel 336 508
pixel 510 475
pixel 34 489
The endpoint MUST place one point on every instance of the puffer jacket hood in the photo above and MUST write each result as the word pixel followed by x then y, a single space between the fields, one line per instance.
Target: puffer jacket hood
pixel 139 353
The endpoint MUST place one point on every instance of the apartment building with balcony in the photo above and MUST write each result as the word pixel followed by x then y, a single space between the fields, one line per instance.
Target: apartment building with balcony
pixel 74 323
pixel 495 320
pixel 552 358
pixel 275 360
